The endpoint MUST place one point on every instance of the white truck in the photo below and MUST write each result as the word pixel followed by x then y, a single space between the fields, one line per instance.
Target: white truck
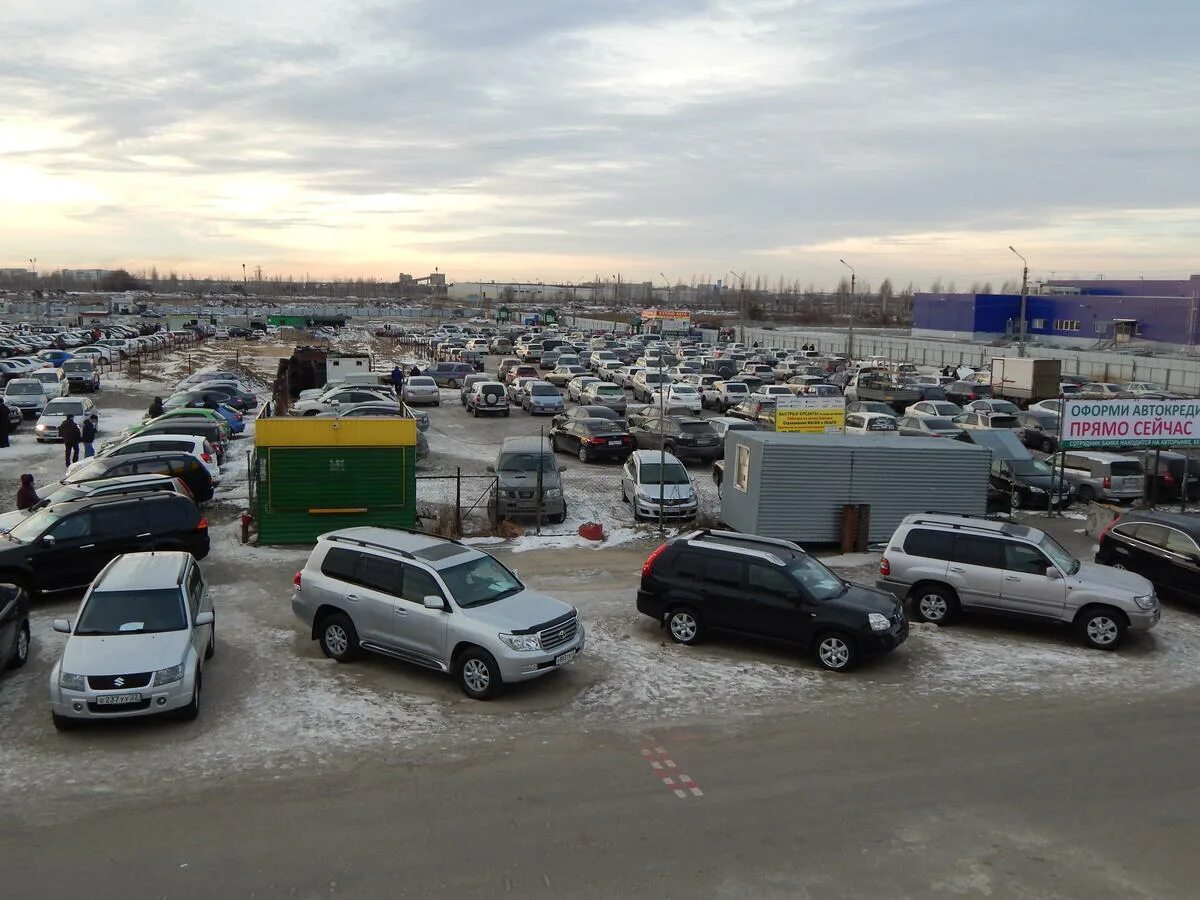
pixel 1026 379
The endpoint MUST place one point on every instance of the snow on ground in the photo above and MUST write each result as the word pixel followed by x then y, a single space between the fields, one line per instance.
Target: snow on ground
pixel 553 537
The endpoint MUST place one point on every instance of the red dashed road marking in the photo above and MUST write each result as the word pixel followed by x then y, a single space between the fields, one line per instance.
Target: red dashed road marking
pixel 682 786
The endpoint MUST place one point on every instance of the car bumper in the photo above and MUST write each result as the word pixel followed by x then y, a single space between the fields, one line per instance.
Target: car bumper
pixel 650 509
pixel 499 410
pixel 516 666
pixel 522 507
pixel 707 452
pixel 897 589
pixel 84 704
pixel 545 410
pixel 1144 620
pixel 876 643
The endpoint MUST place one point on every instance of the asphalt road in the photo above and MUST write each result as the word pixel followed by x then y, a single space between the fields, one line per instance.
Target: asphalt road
pixel 1090 800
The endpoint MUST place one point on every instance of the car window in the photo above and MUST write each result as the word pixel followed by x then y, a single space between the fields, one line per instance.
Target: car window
pixel 419 584
pixel 72 527
pixel 722 571
pixel 978 551
pixel 1147 533
pixel 124 519
pixel 764 578
pixel 1178 542
pixel 379 574
pixel 340 563
pixel 926 543
pixel 195 589
pixel 1026 559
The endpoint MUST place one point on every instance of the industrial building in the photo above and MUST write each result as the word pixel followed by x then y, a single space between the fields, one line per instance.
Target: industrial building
pixel 1092 313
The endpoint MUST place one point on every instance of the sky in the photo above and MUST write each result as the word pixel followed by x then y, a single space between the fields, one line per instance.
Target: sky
pixel 560 141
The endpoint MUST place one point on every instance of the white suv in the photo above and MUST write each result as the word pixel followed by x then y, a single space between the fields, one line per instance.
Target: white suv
pixel 138 644
pixel 433 602
pixel 947 564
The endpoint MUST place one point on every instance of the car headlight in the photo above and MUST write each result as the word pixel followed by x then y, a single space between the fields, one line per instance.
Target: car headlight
pixel 70 682
pixel 523 642
pixel 1035 490
pixel 167 676
pixel 553 493
pixel 1149 601
pixel 41 426
pixel 878 622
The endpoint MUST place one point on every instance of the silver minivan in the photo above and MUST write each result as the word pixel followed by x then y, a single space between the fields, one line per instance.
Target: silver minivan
pixel 1101 476
pixel 525 467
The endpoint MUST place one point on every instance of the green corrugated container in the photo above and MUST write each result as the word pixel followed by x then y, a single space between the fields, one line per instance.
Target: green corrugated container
pixel 302 492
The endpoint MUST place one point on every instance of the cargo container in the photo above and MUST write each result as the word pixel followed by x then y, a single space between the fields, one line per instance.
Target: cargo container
pixel 1025 379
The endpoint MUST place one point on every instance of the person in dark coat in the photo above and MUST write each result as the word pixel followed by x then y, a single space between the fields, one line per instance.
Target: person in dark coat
pixel 88 433
pixel 26 495
pixel 397 379
pixel 416 370
pixel 156 407
pixel 71 436
pixel 3 424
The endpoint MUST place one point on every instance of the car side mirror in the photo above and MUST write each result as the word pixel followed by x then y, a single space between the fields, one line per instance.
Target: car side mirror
pixel 204 618
pixel 48 540
pixel 1053 573
pixel 434 602
pixel 62 626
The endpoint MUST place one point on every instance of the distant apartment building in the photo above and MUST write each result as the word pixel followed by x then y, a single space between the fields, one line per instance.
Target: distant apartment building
pixel 85 276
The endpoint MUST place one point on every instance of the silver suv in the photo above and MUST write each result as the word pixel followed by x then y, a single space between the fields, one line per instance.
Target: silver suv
pixel 434 602
pixel 1098 475
pixel 949 563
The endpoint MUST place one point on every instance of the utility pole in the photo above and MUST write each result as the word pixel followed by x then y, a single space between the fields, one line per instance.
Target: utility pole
pixel 1024 298
pixel 668 281
pixel 850 330
pixel 741 305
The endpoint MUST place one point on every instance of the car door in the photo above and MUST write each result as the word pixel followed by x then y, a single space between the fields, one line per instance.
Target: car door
pixel 375 593
pixel 976 570
pixel 723 594
pixel 775 606
pixel 1140 547
pixel 1027 589
pixel 417 630
pixel 1181 567
pixel 71 559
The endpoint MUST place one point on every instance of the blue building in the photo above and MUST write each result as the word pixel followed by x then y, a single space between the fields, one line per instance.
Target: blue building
pixel 1068 313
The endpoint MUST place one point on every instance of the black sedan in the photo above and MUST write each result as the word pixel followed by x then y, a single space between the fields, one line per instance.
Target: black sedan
pixel 586 412
pixel 592 439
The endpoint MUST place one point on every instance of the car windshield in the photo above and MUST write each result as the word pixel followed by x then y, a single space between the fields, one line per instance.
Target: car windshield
pixel 1030 467
pixel 609 390
pixel 696 428
pixel 421 381
pixel 26 388
pixel 77 366
pixel 1003 406
pixel 1003 421
pixel 479 581
pixel 817 580
pixel 527 462
pixel 946 409
pixel 935 424
pixel 543 390
pixel 31 528
pixel 64 408
pixel 1058 555
pixel 683 390
pixel 132 612
pixel 881 424
pixel 675 474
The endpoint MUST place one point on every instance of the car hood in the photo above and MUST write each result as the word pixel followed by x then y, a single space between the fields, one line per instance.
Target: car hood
pixel 9 519
pixel 669 491
pixel 516 478
pixel 866 600
pixel 520 612
pixel 1120 582
pixel 118 654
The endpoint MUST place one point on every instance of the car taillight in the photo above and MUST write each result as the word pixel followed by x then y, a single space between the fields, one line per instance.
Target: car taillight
pixel 1107 483
pixel 203 524
pixel 296 581
pixel 885 567
pixel 648 566
pixel 1107 528
pixel 207 457
pixel 1168 478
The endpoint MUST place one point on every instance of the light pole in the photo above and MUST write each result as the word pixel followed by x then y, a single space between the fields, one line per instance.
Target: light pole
pixel 741 306
pixel 1024 297
pixel 850 330
pixel 668 281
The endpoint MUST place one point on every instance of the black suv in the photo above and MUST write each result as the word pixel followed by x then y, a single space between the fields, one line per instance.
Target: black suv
pixel 62 547
pixel 184 466
pixel 1161 546
pixel 724 581
pixel 14 627
pixel 684 436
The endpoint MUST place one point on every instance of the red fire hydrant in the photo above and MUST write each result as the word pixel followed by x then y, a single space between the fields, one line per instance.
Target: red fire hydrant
pixel 247 519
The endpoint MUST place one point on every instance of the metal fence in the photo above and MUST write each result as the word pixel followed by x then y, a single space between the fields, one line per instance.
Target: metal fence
pixel 458 504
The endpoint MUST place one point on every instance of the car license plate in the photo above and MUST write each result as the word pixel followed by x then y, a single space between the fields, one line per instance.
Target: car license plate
pixel 616 443
pixel 565 658
pixel 118 699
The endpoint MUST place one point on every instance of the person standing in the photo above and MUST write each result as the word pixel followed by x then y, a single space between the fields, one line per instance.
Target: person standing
pixel 90 424
pixel 156 407
pixel 397 379
pixel 26 495
pixel 3 424
pixel 71 436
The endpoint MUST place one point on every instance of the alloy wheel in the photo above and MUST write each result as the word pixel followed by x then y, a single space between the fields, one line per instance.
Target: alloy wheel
pixel 1102 630
pixel 476 675
pixel 336 639
pixel 834 652
pixel 933 607
pixel 683 627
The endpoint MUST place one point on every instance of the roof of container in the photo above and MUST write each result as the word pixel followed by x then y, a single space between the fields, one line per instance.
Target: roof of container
pixel 853 441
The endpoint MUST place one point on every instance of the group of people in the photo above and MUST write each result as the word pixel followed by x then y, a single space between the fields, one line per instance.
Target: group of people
pixel 70 433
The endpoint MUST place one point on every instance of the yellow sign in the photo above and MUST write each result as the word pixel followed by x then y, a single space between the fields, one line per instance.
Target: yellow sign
pixel 666 314
pixel 810 415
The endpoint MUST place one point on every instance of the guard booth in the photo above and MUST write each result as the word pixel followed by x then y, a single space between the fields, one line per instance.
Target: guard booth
pixel 312 475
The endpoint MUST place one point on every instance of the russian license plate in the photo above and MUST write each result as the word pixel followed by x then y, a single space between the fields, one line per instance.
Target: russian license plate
pixel 616 443
pixel 565 658
pixel 117 699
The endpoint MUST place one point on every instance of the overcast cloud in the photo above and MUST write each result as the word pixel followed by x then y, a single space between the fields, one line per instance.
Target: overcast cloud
pixel 560 140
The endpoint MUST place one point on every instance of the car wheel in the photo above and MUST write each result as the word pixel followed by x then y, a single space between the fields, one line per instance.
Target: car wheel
pixel 339 639
pixel 1014 499
pixel 685 626
pixel 669 448
pixel 211 650
pixel 584 456
pixel 1118 565
pixel 20 654
pixel 478 674
pixel 1101 627
pixel 452 383
pixel 1086 494
pixel 936 605
pixel 836 652
pixel 63 723
pixel 191 712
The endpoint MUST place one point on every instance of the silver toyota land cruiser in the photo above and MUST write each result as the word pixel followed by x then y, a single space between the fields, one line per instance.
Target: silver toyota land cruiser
pixel 434 602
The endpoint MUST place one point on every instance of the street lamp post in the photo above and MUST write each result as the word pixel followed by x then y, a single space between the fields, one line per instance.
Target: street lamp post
pixel 668 281
pixel 1024 298
pixel 850 329
pixel 741 306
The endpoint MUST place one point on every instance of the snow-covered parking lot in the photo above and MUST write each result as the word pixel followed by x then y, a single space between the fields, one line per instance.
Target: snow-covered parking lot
pixel 272 702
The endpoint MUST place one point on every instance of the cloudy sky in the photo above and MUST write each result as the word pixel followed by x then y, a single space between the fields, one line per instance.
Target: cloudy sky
pixel 546 139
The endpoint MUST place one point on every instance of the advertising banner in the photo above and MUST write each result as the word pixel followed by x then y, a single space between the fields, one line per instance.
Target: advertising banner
pixel 1131 424
pixel 810 415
